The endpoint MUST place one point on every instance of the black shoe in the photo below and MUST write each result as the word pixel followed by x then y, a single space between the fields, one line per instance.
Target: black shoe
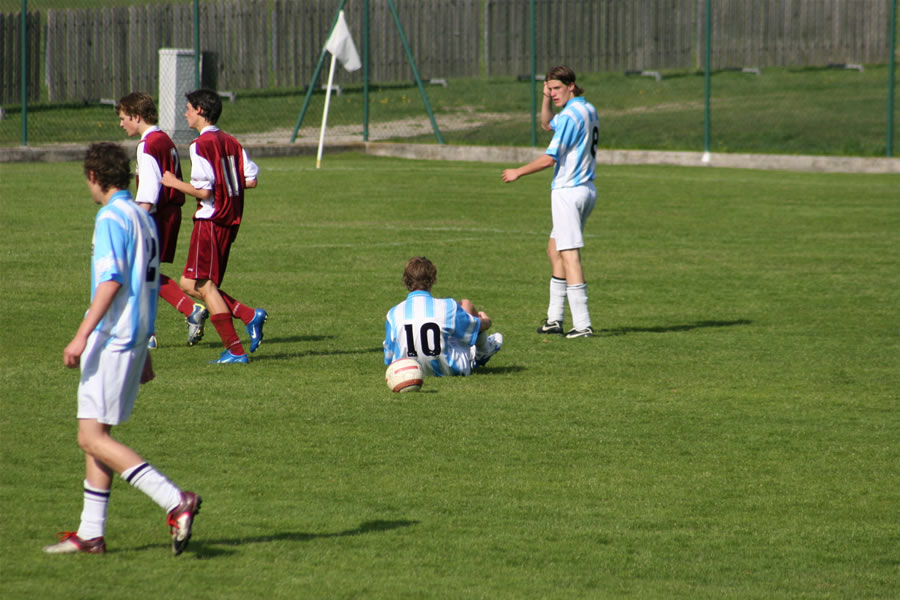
pixel 550 327
pixel 577 333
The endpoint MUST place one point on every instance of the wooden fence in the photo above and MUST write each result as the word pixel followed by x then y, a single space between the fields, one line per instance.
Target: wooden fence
pixel 106 53
pixel 11 64
pixel 618 35
pixel 797 32
pixel 252 44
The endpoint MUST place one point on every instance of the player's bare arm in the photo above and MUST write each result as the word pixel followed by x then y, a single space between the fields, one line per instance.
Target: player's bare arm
pixel 169 179
pixel 103 298
pixel 250 184
pixel 539 164
pixel 546 109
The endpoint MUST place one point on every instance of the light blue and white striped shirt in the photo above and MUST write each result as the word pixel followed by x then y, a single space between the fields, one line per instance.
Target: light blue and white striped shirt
pixel 422 326
pixel 125 250
pixel 574 145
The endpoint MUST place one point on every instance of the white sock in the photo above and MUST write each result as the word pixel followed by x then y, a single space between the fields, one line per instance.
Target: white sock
pixel 578 304
pixel 153 483
pixel 556 311
pixel 93 515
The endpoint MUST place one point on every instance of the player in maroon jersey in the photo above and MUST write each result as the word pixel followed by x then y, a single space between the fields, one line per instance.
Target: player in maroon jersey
pixel 156 154
pixel 220 172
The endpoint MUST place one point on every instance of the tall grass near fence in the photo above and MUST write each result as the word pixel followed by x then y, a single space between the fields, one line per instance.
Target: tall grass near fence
pixel 789 111
pixel 731 433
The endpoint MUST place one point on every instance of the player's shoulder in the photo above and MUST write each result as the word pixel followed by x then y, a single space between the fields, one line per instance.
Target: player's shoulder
pixel 157 141
pixel 118 215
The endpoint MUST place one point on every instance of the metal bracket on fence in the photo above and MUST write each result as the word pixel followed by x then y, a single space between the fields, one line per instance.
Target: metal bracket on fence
pixel 655 74
pixel 442 82
pixel 528 78
pixel 338 90
pixel 851 66
pixel 230 95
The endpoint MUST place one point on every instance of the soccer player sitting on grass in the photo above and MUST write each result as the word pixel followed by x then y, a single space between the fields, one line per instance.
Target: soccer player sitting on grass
pixel 446 337
pixel 220 171
pixel 110 346
pixel 156 154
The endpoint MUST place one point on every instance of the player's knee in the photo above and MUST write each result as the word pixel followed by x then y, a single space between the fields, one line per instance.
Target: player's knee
pixel 89 441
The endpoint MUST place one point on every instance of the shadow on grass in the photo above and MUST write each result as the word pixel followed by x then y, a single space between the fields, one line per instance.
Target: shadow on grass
pixel 335 352
pixel 210 548
pixel 613 331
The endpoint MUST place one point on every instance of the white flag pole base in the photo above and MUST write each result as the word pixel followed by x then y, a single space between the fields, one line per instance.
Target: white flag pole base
pixel 325 113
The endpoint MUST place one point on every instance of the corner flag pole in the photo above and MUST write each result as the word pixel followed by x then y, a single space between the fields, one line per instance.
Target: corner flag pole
pixel 325 114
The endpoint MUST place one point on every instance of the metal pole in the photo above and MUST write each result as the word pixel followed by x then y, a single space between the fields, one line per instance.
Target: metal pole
pixel 412 64
pixel 533 75
pixel 365 33
pixel 197 44
pixel 890 120
pixel 24 72
pixel 706 116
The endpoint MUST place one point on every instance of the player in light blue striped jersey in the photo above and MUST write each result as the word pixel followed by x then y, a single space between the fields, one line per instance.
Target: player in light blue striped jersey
pixel 446 337
pixel 573 155
pixel 110 347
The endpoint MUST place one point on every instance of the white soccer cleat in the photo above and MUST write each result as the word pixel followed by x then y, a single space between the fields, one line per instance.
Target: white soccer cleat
pixel 196 323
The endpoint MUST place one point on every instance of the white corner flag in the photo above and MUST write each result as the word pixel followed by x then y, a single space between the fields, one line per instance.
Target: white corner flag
pixel 340 44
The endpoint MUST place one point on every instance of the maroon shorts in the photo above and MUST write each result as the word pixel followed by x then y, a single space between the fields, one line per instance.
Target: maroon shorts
pixel 168 222
pixel 208 255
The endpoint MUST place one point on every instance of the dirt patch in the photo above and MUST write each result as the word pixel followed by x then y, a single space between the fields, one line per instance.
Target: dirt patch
pixel 380 131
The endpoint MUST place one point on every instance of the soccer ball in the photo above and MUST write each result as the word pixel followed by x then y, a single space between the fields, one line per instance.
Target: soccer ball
pixel 404 375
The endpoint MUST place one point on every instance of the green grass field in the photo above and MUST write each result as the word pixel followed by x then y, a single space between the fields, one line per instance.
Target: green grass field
pixel 731 433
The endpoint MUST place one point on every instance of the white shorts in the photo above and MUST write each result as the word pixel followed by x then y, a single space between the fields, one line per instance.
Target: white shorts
pixel 570 208
pixel 457 359
pixel 110 379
